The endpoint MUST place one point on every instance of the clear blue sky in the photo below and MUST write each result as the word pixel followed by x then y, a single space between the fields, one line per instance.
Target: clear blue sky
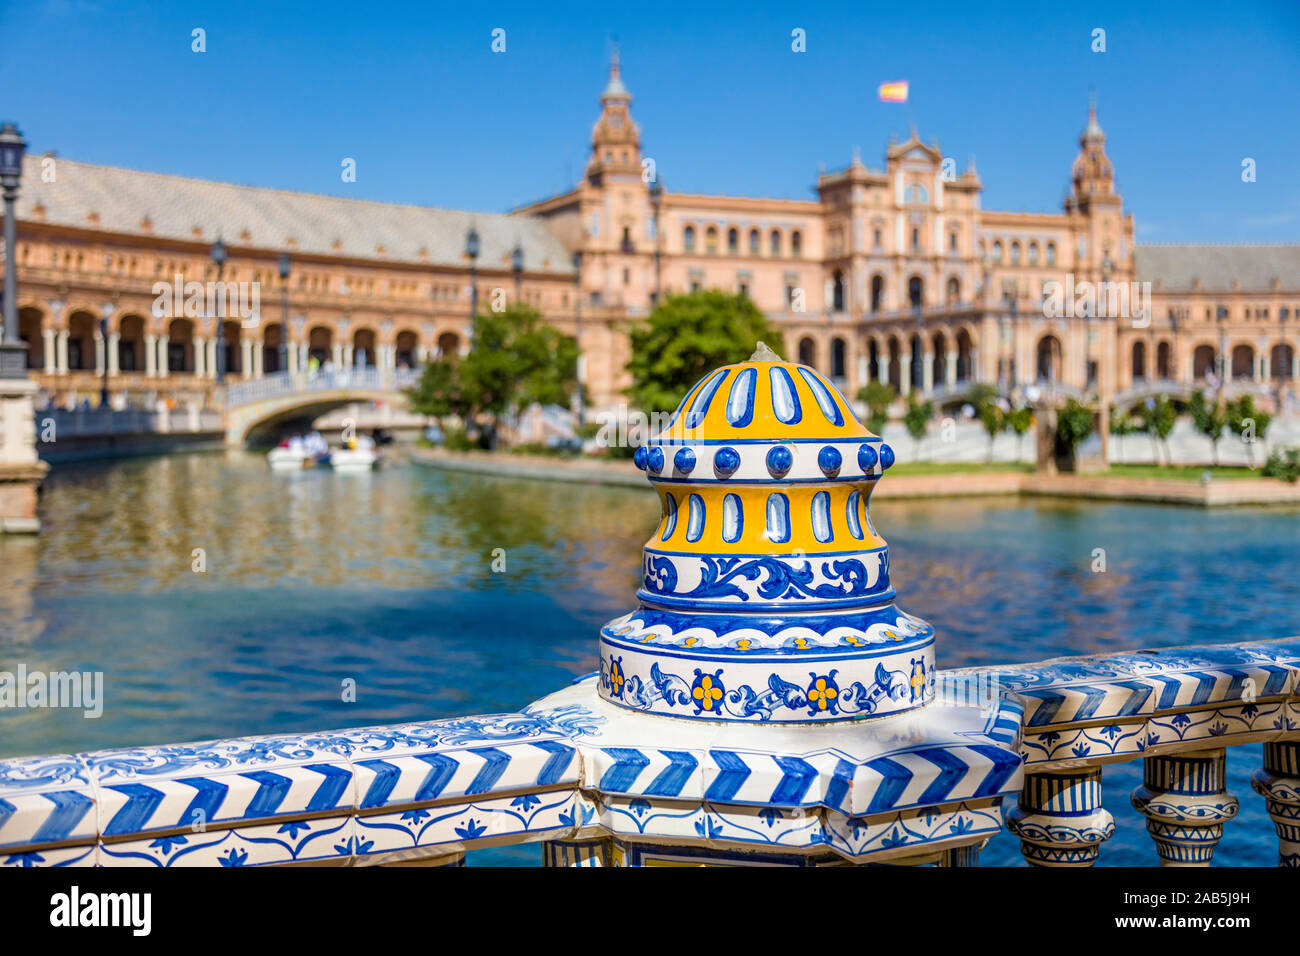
pixel 432 116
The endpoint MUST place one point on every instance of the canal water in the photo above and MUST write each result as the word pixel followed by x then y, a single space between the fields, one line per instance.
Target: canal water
pixel 221 599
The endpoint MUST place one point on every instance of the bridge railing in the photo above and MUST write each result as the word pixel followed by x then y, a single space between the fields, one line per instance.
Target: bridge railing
pixel 53 423
pixel 430 791
pixel 277 384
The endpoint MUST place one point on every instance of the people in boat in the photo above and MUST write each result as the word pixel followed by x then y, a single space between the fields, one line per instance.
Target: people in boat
pixel 315 445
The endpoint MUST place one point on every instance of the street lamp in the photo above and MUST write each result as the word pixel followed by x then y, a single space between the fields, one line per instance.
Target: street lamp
pixel 517 265
pixel 656 197
pixel 284 312
pixel 219 258
pixel 471 250
pixel 13 356
pixel 106 312
pixel 577 318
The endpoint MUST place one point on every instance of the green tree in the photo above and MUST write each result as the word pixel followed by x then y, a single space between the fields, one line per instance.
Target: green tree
pixel 877 396
pixel 1209 417
pixel 1248 423
pixel 1073 425
pixel 1020 420
pixel 1121 424
pixel 917 417
pixel 1283 463
pixel 688 336
pixel 515 360
pixel 1158 419
pixel 437 393
pixel 984 399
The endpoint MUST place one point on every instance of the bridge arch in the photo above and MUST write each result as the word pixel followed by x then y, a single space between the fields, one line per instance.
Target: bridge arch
pixel 259 405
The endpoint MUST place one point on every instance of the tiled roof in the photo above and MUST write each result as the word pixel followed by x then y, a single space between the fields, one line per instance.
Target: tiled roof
pixel 117 200
pixel 1256 266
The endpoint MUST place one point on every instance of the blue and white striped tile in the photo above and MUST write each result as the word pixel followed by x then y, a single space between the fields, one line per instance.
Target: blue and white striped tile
pixel 135 803
pixel 445 773
pixel 46 799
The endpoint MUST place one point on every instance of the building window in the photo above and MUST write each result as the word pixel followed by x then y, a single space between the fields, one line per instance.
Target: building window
pixel 876 240
pixel 775 242
pixel 1015 253
pixel 688 238
pixel 1033 253
pixel 916 196
pixel 755 242
pixel 997 251
pixel 733 241
pixel 952 242
pixel 916 240
pixel 796 244
pixel 1051 253
pixel 711 240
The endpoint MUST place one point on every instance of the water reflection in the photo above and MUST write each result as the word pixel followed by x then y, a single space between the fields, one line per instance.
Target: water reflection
pixel 387 578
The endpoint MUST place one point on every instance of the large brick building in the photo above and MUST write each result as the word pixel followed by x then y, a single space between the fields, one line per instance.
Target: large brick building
pixel 893 273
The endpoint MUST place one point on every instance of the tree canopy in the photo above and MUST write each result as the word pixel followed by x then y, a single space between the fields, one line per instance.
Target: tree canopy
pixel 514 360
pixel 688 336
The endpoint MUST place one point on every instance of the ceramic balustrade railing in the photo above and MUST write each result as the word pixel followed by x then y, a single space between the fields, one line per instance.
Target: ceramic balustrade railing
pixel 427 792
pixel 1177 709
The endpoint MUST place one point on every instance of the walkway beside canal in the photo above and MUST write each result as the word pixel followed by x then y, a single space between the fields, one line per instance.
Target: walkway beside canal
pixel 1238 491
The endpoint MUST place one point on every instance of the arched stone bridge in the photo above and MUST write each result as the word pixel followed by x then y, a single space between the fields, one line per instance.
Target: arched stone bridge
pixel 282 396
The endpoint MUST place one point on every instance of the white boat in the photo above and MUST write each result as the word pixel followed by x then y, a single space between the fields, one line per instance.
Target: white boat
pixel 291 457
pixel 356 456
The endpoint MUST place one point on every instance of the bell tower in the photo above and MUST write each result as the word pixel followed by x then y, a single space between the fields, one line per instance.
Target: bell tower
pixel 1103 235
pixel 615 139
pixel 616 232
pixel 1093 176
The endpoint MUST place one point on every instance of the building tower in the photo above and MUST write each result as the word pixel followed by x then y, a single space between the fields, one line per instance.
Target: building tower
pixel 1103 236
pixel 616 217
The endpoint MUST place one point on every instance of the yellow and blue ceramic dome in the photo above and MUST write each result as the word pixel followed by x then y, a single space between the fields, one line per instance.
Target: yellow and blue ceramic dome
pixel 766 593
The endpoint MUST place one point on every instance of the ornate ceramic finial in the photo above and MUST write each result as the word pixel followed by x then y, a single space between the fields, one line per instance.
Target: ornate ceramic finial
pixel 766 592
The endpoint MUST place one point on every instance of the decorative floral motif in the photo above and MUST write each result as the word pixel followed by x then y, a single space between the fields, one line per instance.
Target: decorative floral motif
pixel 707 690
pixel 780 698
pixel 844 578
pixel 823 693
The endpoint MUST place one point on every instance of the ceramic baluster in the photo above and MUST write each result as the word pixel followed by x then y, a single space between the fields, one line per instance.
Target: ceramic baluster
pixel 1279 784
pixel 1060 819
pixel 1186 805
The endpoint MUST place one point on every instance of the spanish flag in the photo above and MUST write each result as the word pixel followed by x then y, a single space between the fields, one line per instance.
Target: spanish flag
pixel 893 92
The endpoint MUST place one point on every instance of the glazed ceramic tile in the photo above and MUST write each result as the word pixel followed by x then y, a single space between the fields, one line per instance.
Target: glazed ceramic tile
pixel 329 840
pixel 217 783
pixel 47 799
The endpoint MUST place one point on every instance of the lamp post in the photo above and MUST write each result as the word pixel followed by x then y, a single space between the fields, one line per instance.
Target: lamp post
pixel 13 356
pixel 106 311
pixel 285 266
pixel 471 250
pixel 1221 316
pixel 517 266
pixel 656 198
pixel 219 258
pixel 577 319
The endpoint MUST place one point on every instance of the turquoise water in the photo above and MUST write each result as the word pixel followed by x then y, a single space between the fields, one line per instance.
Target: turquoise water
pixel 386 578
